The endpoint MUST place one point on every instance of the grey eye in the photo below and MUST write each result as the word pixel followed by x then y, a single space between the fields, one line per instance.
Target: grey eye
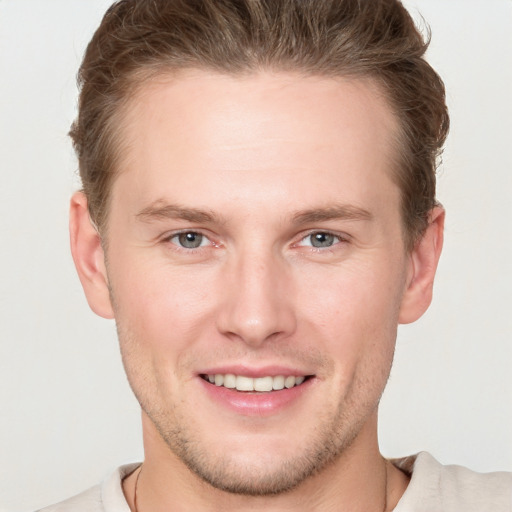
pixel 321 239
pixel 190 240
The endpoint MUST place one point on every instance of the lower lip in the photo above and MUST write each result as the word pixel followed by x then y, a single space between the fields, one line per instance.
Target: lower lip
pixel 256 404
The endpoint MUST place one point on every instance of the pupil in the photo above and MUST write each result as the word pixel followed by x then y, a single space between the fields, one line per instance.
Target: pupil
pixel 322 240
pixel 190 240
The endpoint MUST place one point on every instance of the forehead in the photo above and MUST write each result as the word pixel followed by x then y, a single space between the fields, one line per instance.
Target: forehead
pixel 247 132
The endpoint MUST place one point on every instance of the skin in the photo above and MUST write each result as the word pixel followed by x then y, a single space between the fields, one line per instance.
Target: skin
pixel 272 159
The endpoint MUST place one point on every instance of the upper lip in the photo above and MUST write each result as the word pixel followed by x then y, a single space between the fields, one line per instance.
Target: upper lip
pixel 246 371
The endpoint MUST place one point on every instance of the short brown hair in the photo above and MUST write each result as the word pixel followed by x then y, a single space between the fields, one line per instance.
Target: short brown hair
pixel 374 39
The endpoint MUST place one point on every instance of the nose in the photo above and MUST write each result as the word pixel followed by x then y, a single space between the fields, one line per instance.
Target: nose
pixel 258 300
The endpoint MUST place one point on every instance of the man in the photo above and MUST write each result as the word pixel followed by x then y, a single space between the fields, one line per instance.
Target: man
pixel 258 214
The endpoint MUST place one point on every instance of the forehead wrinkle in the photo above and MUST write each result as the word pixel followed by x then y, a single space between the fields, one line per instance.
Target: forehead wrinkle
pixel 160 210
pixel 334 212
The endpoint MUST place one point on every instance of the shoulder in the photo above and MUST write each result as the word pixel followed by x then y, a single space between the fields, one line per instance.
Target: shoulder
pixel 435 487
pixel 105 497
pixel 89 501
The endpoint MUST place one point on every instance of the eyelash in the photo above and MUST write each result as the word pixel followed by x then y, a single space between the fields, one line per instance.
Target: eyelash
pixel 338 239
pixel 169 239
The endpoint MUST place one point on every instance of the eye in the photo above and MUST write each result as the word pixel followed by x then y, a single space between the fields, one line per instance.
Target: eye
pixel 320 239
pixel 189 240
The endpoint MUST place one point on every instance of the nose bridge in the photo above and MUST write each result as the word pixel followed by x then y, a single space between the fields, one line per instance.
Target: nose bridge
pixel 258 303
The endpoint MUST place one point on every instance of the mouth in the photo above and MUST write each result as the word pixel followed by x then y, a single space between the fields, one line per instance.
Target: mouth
pixel 247 384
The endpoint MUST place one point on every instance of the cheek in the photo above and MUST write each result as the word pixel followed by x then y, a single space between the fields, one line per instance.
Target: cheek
pixel 356 307
pixel 355 320
pixel 160 315
pixel 162 306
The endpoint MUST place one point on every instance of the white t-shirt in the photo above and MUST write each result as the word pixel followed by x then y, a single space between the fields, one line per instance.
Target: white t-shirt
pixel 433 488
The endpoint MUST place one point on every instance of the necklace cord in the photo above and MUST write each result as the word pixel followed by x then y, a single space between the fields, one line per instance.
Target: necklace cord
pixel 135 491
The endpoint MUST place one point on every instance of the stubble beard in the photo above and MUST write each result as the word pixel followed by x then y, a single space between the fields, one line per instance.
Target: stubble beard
pixel 330 440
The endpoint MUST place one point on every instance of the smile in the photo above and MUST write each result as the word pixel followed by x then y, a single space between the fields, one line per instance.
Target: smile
pixel 259 384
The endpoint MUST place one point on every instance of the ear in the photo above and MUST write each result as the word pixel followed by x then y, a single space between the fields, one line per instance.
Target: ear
pixel 423 261
pixel 89 257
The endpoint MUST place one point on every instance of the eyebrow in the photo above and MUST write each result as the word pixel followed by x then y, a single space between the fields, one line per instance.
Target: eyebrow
pixel 162 210
pixel 335 212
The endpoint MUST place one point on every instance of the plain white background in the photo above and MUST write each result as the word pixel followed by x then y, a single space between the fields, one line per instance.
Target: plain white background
pixel 67 415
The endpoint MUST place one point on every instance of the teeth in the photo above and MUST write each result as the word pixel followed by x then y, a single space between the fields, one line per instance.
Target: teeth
pixel 261 384
pixel 229 381
pixel 289 382
pixel 278 382
pixel 244 383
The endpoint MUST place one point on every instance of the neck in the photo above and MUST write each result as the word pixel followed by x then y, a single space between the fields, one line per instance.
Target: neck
pixel 360 479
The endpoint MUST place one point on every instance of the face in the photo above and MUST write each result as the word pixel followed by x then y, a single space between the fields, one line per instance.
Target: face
pixel 257 269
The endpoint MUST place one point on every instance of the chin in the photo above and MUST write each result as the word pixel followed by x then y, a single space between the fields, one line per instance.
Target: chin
pixel 244 468
pixel 254 474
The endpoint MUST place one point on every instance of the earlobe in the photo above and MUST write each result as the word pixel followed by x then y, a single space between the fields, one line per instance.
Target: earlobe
pixel 423 261
pixel 89 257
